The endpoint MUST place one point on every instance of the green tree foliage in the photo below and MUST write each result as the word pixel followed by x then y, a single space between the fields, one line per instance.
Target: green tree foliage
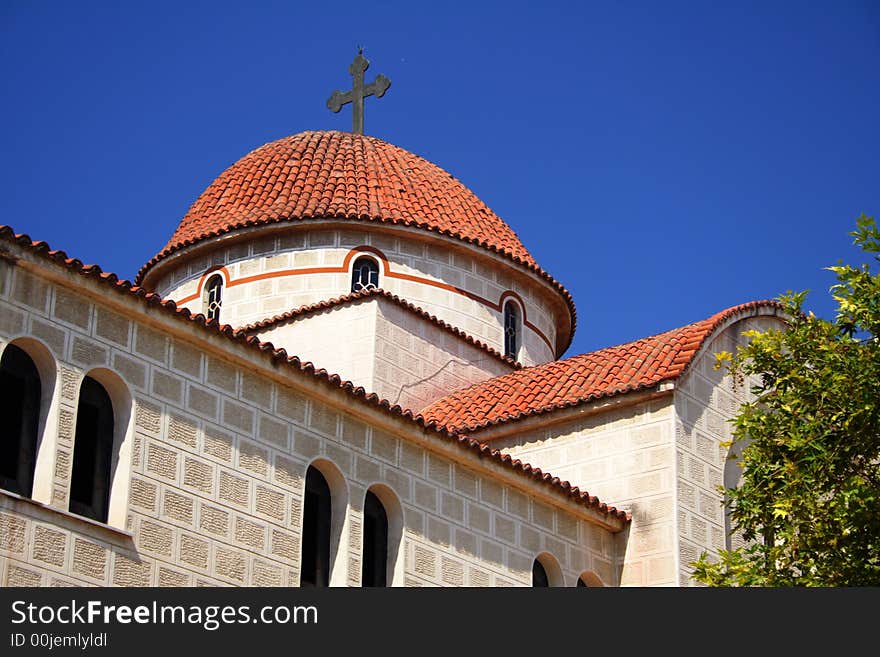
pixel 808 505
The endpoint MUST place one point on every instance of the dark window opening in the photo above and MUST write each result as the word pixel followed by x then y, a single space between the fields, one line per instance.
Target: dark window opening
pixel 364 275
pixel 19 419
pixel 511 330
pixel 315 563
pixel 214 297
pixel 539 575
pixel 375 559
pixel 581 582
pixel 92 452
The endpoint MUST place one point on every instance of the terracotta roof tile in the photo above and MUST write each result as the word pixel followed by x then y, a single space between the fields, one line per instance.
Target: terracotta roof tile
pixel 638 365
pixel 279 357
pixel 342 175
pixel 302 311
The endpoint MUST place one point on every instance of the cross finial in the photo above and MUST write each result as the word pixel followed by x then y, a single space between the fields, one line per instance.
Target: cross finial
pixel 358 92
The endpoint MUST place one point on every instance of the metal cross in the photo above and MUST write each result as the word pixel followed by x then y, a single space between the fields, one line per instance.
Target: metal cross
pixel 358 92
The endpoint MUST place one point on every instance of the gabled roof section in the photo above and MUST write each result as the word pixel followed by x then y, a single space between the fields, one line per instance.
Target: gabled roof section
pixel 635 366
pixel 376 293
pixel 280 358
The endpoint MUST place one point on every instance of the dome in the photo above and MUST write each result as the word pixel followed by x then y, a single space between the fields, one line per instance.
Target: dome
pixel 341 175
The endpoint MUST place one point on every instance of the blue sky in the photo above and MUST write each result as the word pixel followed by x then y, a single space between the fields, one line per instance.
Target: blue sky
pixel 662 160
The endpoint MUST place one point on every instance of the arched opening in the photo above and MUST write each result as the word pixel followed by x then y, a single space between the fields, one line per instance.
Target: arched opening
pixel 20 405
pixel 100 474
pixel 213 297
pixel 393 540
pixel 512 329
pixel 374 564
pixel 317 515
pixel 589 579
pixel 546 571
pixel 539 575
pixel 92 452
pixel 364 274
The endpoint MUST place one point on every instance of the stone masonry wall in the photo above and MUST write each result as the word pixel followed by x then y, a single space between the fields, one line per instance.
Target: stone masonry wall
pixel 705 401
pixel 219 451
pixel 625 457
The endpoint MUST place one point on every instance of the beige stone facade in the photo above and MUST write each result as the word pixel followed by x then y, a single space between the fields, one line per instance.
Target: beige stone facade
pixel 212 442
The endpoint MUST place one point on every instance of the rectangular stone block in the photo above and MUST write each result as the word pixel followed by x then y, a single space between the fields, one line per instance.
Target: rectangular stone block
pixel 291 405
pixel 250 533
pixel 129 571
pixel 11 322
pixel 235 490
pixel 88 353
pixel 354 433
pixel 130 370
pixel 213 520
pixel 238 416
pixel 151 344
pixel 162 462
pixel 168 386
pixel 12 531
pixel 182 430
pixel 256 390
pixel 439 469
pixel 186 359
pixel 273 432
pixel 148 417
pixel 222 375
pixel 285 545
pixel 452 507
pixel 323 420
pixel 173 578
pixel 306 445
pixel 194 551
pixel 51 335
pixel 49 546
pixel 71 308
pixel 89 559
pixel 156 538
pixel 218 444
pixel 384 446
pixel 203 402
pixel 112 326
pixel 178 507
pixel 143 494
pixel 198 475
pixel 230 564
pixel 19 576
pixel 253 458
pixel 269 502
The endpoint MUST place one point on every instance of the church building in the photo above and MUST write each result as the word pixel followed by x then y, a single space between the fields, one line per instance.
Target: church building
pixel 343 369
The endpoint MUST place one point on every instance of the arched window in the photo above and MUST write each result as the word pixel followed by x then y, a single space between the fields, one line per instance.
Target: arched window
pixel 581 582
pixel 92 452
pixel 213 297
pixel 364 274
pixel 20 392
pixel 375 560
pixel 539 575
pixel 315 562
pixel 511 329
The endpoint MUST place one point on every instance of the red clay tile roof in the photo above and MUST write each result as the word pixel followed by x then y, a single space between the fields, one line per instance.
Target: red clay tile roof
pixel 280 357
pixel 302 311
pixel 561 384
pixel 342 175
